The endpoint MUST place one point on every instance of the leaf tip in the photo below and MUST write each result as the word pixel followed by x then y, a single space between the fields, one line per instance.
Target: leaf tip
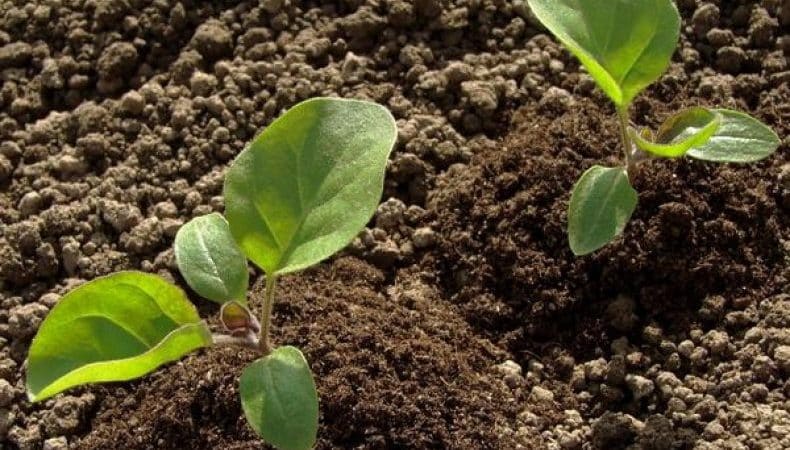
pixel 578 249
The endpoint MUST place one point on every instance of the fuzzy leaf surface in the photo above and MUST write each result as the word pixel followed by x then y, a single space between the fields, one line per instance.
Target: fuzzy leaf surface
pixel 280 400
pixel 625 45
pixel 210 260
pixel 309 183
pixel 681 132
pixel 601 205
pixel 739 139
pixel 114 328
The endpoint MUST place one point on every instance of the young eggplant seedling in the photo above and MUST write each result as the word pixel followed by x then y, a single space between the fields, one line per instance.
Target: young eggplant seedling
pixel 626 45
pixel 300 192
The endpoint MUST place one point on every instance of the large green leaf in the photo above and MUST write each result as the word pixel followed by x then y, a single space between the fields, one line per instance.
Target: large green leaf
pixel 114 328
pixel 280 401
pixel 309 183
pixel 740 138
pixel 601 205
pixel 624 44
pixel 210 260
pixel 681 132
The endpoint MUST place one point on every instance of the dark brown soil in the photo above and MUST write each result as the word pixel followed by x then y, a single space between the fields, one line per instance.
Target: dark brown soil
pixel 396 368
pixel 459 318
pixel 700 230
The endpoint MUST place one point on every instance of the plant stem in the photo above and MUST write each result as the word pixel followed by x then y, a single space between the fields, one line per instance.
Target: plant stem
pixel 236 341
pixel 628 146
pixel 266 316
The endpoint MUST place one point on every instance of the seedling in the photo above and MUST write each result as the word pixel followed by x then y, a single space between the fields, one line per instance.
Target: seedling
pixel 301 191
pixel 626 45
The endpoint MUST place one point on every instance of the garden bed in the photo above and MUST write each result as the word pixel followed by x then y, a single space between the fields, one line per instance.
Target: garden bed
pixel 460 319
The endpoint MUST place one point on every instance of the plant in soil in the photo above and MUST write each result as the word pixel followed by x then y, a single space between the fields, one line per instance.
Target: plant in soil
pixel 626 45
pixel 300 192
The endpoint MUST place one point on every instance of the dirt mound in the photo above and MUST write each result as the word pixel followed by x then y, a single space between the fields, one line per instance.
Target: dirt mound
pixel 396 369
pixel 676 316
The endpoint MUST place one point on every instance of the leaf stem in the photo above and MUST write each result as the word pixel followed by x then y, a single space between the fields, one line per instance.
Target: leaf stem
pixel 266 317
pixel 236 341
pixel 628 146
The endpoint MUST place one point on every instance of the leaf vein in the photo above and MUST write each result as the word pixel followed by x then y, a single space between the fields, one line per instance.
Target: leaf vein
pixel 213 266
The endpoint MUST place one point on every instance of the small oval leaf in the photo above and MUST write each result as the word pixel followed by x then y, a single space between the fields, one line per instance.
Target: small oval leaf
pixel 309 183
pixel 601 205
pixel 740 139
pixel 625 44
pixel 114 328
pixel 210 260
pixel 279 399
pixel 236 318
pixel 679 133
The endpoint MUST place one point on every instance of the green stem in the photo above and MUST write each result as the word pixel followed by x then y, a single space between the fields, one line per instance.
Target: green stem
pixel 266 317
pixel 628 146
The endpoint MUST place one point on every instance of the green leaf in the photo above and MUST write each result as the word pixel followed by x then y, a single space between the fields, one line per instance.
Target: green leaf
pixel 210 260
pixel 114 328
pixel 309 183
pixel 625 44
pixel 280 401
pixel 601 205
pixel 740 138
pixel 236 318
pixel 681 132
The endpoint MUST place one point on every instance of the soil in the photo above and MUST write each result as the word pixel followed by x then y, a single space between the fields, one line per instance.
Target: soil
pixel 459 318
